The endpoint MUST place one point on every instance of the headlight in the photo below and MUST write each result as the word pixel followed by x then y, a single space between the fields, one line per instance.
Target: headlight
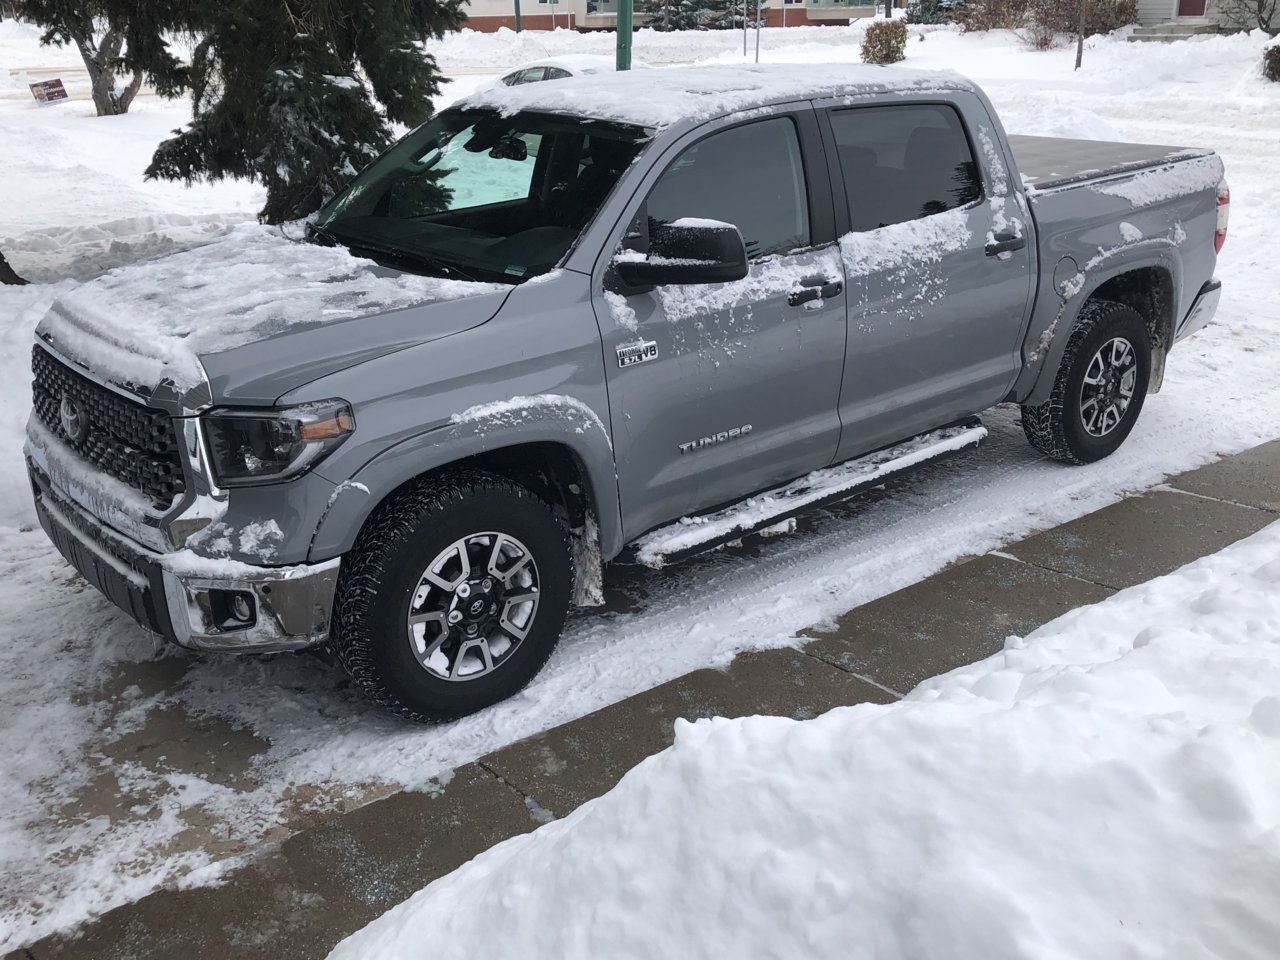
pixel 265 446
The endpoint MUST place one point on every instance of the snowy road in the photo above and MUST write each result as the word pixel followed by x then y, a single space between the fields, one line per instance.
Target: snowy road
pixel 92 699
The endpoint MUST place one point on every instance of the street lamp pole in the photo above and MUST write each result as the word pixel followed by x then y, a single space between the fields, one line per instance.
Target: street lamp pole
pixel 625 17
pixel 517 16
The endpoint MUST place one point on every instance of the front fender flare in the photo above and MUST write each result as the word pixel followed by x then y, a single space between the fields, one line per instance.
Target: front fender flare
pixel 542 418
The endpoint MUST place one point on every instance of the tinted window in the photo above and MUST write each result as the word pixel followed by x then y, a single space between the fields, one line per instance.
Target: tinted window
pixel 555 73
pixel 903 163
pixel 749 176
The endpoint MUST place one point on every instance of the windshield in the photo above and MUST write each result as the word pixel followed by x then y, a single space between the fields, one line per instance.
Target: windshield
pixel 477 195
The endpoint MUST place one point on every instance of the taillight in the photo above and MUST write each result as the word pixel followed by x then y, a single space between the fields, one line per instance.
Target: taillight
pixel 1224 214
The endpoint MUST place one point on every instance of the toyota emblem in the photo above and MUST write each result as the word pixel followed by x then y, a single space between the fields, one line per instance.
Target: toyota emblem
pixel 74 423
pixel 477 607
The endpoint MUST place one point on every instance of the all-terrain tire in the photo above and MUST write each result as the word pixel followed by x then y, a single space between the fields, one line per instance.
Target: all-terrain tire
pixel 381 576
pixel 1057 427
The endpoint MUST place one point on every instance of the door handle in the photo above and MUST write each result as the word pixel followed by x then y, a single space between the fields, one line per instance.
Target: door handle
pixel 815 288
pixel 1005 243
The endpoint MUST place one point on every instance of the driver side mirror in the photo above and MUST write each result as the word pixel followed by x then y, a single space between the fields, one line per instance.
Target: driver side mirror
pixel 686 251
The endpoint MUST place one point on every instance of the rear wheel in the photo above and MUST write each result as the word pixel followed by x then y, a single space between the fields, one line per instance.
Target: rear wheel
pixel 1099 390
pixel 453 597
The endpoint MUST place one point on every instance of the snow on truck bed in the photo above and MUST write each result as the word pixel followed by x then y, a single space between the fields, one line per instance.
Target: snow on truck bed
pixel 1107 787
pixel 154 321
pixel 660 98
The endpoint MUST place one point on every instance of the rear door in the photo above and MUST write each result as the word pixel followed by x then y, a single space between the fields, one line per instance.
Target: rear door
pixel 937 257
pixel 717 391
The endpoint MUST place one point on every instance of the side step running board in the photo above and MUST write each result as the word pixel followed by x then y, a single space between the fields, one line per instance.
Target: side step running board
pixel 693 535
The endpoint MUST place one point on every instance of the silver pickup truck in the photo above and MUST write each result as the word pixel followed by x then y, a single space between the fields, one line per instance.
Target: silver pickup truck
pixel 605 318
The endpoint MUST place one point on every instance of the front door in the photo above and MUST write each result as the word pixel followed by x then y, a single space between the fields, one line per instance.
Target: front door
pixel 938 272
pixel 719 390
pixel 1191 8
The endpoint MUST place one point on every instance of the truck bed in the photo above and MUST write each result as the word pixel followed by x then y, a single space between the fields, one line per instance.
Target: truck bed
pixel 1048 162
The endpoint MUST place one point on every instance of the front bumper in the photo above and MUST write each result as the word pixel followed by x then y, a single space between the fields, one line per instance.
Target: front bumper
pixel 188 598
pixel 1202 310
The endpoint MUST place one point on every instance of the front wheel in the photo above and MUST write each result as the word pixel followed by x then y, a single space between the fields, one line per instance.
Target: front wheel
pixel 453 597
pixel 1099 389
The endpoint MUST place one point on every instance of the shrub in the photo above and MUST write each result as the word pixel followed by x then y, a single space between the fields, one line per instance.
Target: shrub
pixel 1046 19
pixel 925 11
pixel 885 42
pixel 1271 62
pixel 993 15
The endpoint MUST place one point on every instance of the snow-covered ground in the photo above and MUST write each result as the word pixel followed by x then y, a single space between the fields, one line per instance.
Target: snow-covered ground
pixel 1107 787
pixel 73 671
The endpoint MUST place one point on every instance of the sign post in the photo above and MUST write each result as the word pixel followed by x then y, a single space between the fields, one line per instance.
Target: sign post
pixel 625 17
pixel 517 16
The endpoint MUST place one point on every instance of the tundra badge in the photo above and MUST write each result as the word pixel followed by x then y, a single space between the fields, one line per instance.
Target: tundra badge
pixel 703 442
pixel 630 354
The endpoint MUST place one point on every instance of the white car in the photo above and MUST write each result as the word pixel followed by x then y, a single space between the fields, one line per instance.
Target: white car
pixel 557 68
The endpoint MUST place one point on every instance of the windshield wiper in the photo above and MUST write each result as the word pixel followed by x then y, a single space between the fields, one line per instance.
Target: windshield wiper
pixel 406 257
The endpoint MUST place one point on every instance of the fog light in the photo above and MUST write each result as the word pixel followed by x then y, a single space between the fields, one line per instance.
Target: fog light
pixel 241 609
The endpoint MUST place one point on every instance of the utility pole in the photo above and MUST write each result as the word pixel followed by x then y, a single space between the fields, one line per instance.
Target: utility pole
pixel 625 17
pixel 758 2
pixel 517 16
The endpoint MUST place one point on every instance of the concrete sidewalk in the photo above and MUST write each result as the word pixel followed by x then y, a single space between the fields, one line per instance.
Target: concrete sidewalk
pixel 298 898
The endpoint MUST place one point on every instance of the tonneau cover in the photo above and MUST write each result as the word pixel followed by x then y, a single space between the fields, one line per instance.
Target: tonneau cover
pixel 1047 162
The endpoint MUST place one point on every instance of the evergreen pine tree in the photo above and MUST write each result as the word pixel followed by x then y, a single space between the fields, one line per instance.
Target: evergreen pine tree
pixel 673 14
pixel 730 14
pixel 296 94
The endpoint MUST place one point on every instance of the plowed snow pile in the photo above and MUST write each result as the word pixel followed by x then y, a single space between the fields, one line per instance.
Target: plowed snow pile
pixel 1107 787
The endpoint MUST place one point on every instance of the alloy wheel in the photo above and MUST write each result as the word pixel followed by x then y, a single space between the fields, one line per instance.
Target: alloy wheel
pixel 473 606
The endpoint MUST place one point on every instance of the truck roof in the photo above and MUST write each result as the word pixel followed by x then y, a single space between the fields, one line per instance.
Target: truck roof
pixel 661 98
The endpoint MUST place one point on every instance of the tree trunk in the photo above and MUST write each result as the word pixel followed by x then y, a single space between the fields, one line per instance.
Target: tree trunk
pixel 888 9
pixel 100 61
pixel 1080 34
pixel 6 273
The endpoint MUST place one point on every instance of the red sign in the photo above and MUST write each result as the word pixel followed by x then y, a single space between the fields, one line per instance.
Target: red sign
pixel 50 91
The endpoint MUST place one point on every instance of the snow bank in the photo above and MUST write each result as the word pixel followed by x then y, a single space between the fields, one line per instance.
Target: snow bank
pixel 85 251
pixel 1109 787
pixel 153 321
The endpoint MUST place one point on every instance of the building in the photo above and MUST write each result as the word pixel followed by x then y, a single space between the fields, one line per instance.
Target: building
pixel 1153 13
pixel 489 15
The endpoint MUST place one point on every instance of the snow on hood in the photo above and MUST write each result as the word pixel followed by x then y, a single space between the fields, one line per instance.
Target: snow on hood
pixel 145 324
pixel 660 98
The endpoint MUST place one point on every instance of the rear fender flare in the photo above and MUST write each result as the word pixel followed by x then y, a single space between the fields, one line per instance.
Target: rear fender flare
pixel 1059 312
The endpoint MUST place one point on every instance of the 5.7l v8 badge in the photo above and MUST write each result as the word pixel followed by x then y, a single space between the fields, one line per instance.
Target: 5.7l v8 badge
pixel 630 354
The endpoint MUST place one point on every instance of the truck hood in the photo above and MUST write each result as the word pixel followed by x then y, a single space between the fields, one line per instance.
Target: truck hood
pixel 251 316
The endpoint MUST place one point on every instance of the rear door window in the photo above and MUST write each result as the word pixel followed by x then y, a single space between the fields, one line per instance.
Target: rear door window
pixel 901 163
pixel 750 176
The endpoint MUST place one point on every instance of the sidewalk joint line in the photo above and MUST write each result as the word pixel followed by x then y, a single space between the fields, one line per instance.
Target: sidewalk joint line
pixel 1070 576
pixel 536 810
pixel 1169 488
pixel 853 673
